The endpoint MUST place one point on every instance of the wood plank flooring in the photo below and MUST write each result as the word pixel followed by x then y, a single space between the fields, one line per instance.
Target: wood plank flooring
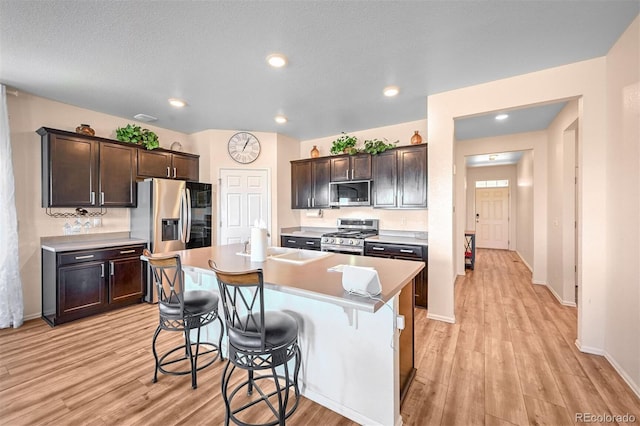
pixel 510 359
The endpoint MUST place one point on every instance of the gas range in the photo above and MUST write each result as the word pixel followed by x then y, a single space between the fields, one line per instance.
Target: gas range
pixel 350 236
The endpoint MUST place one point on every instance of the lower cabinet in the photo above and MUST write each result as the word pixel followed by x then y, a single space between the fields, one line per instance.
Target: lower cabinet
pixel 307 243
pixel 86 282
pixel 405 252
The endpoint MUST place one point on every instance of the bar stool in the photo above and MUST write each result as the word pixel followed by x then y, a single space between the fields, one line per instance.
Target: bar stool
pixel 183 311
pixel 258 341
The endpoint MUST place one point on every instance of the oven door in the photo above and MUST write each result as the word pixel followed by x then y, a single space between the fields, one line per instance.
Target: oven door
pixel 343 250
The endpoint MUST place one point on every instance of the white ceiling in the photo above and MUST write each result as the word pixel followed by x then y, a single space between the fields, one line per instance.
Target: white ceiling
pixel 129 57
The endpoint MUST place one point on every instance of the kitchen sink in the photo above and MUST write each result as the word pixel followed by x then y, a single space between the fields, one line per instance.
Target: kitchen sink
pixel 300 257
pixel 271 251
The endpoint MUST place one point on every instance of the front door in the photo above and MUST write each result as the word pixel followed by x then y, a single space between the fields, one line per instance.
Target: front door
pixel 244 199
pixel 492 218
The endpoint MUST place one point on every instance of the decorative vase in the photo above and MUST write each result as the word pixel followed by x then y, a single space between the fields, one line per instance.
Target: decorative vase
pixel 85 129
pixel 314 152
pixel 416 139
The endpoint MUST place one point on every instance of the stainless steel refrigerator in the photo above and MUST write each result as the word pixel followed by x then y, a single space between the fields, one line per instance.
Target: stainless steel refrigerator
pixel 172 215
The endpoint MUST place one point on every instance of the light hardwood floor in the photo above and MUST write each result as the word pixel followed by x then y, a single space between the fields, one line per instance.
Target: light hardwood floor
pixel 510 359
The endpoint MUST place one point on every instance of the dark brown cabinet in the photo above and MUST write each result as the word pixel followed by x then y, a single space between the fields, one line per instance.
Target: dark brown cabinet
pixel 80 283
pixel 350 167
pixel 83 171
pixel 307 243
pixel 310 183
pixel 400 178
pixel 405 252
pixel 167 165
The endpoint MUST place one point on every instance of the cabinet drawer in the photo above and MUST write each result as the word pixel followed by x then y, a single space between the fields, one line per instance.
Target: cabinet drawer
pixel 300 242
pixel 99 254
pixel 125 251
pixel 406 251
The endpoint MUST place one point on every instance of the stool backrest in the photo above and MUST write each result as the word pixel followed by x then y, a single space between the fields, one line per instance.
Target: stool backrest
pixel 169 279
pixel 242 295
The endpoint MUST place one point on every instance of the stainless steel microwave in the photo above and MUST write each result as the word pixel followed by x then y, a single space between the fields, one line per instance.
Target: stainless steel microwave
pixel 352 193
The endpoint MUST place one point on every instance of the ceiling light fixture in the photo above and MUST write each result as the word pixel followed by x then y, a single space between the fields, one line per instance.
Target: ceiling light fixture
pixel 493 157
pixel 145 117
pixel 277 60
pixel 280 119
pixel 390 91
pixel 178 103
pixel 501 117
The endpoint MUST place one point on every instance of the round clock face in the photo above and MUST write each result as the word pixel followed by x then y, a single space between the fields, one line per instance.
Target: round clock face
pixel 244 147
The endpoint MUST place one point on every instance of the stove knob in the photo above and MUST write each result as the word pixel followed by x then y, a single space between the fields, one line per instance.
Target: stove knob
pixel 352 242
pixel 330 240
pixel 338 240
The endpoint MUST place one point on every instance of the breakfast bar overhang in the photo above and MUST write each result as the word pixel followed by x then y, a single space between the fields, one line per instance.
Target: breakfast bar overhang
pixel 356 359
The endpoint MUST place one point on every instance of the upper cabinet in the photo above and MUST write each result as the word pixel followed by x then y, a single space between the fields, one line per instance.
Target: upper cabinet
pixel 400 178
pixel 351 167
pixel 81 171
pixel 168 165
pixel 310 183
pixel 87 171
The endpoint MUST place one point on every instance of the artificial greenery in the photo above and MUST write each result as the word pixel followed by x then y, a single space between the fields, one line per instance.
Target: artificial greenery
pixel 376 146
pixel 135 134
pixel 344 143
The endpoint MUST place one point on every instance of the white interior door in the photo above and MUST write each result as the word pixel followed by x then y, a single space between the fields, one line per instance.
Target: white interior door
pixel 492 218
pixel 244 198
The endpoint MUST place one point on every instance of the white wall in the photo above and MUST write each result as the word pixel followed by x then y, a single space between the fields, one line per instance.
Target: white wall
pixel 524 209
pixel 536 141
pixel 585 80
pixel 28 113
pixel 288 150
pixel 390 219
pixel 560 205
pixel 622 207
pixel 492 173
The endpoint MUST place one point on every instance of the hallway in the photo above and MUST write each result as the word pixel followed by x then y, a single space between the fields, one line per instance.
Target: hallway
pixel 510 358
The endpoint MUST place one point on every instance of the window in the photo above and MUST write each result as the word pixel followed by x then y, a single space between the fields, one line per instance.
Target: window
pixel 504 183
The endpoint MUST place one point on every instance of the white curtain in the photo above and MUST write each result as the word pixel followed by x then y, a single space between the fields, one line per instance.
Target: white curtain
pixel 11 305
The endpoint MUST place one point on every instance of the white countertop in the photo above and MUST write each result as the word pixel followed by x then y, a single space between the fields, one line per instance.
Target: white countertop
pixel 74 245
pixel 304 234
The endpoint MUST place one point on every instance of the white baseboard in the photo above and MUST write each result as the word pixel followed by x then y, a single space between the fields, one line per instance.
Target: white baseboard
pixel 524 261
pixel 32 316
pixel 442 318
pixel 536 282
pixel 633 385
pixel 589 349
pixel 341 409
pixel 557 296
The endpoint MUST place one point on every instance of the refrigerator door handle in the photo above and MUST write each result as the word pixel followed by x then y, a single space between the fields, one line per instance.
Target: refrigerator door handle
pixel 183 216
pixel 188 210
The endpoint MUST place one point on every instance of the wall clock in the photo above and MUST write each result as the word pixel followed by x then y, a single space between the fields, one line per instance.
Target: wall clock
pixel 244 147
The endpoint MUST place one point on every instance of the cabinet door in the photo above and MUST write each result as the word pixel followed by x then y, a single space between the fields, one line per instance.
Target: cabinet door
pixel 154 164
pixel 361 167
pixel 125 280
pixel 301 183
pixel 420 280
pixel 71 172
pixel 81 289
pixel 321 173
pixel 185 167
pixel 117 176
pixel 340 169
pixel 385 174
pixel 412 177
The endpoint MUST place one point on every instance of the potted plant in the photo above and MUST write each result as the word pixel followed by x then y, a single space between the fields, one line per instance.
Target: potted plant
pixel 344 144
pixel 135 134
pixel 376 146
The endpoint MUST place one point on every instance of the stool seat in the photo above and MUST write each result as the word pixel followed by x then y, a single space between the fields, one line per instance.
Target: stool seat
pixel 281 329
pixel 196 302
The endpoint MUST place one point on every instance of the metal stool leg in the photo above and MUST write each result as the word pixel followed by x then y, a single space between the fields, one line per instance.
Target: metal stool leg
pixel 187 342
pixel 220 339
pixel 224 384
pixel 155 354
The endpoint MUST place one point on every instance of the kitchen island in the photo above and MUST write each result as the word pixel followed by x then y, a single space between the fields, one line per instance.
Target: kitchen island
pixel 355 359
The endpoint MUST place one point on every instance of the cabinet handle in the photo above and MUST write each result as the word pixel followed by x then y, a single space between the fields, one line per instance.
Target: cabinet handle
pixel 88 256
pixel 102 198
pixel 168 171
pixel 291 241
pixel 127 251
pixel 93 198
pixel 347 173
pixel 309 242
pixel 313 202
pixel 174 172
pixel 352 173
pixel 378 248
pixel 102 270
pixel 111 267
pixel 308 202
pixel 406 251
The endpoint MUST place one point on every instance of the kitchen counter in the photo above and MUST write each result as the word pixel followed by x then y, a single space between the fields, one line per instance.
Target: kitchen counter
pixel 305 232
pixel 88 241
pixel 391 239
pixel 310 280
pixel 342 338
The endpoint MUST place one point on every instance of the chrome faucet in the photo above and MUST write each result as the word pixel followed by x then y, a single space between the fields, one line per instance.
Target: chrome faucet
pixel 246 243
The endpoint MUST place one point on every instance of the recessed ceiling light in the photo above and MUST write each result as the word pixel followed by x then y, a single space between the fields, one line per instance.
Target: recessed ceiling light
pixel 277 60
pixel 280 119
pixel 501 117
pixel 492 157
pixel 145 117
pixel 391 91
pixel 178 103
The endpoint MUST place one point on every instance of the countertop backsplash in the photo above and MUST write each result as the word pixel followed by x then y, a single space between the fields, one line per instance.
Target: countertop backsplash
pixel 391 220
